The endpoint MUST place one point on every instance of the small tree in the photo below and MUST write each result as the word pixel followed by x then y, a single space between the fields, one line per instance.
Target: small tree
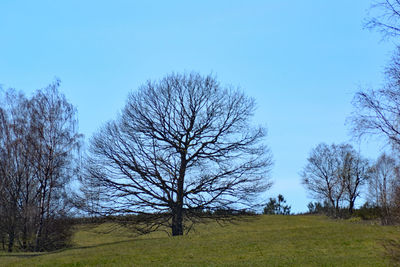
pixel 277 206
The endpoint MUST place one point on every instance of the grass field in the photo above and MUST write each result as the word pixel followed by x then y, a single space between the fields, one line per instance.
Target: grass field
pixel 260 241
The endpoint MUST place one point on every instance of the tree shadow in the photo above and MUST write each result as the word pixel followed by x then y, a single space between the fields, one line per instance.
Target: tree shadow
pixel 222 222
pixel 22 255
pixel 392 250
pixel 33 254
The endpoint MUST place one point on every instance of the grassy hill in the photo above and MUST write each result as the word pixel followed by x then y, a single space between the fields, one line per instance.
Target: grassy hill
pixel 260 241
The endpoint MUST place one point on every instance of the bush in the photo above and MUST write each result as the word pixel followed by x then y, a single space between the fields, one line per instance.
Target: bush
pixel 277 206
pixel 368 212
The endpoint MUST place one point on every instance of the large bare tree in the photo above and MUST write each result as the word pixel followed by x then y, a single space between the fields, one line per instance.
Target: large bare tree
pixel 180 146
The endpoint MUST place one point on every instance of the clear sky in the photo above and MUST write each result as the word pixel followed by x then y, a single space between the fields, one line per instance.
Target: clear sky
pixel 302 60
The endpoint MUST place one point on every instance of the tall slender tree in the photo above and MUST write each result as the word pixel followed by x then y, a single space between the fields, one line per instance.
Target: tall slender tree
pixel 56 140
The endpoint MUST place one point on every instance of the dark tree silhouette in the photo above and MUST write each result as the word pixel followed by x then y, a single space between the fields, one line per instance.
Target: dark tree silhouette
pixel 181 146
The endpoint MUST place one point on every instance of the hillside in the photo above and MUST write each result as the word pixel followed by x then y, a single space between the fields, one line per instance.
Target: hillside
pixel 264 240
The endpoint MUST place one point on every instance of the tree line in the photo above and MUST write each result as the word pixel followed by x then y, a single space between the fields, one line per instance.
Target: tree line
pixel 338 174
pixel 182 150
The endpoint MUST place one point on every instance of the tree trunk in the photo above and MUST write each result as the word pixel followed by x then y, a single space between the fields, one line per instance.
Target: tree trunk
pixel 41 222
pixel 25 219
pixel 351 206
pixel 11 237
pixel 177 221
pixel 12 228
pixel 333 203
pixel 177 212
pixel 177 216
pixel 385 215
pixel 24 235
pixel 3 241
pixel 337 211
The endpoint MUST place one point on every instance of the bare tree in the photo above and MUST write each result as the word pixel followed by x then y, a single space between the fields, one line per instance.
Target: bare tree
pixel 335 173
pixel 377 112
pixel 15 168
pixel 354 171
pixel 383 186
pixel 385 17
pixel 181 146
pixel 56 141
pixel 321 177
pixel 38 140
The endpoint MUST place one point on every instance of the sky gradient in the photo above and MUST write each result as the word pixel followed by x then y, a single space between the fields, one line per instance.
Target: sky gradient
pixel 302 60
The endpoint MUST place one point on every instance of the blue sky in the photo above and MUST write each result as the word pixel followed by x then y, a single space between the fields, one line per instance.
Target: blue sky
pixel 302 60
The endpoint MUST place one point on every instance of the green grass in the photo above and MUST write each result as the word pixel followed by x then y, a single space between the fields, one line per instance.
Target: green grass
pixel 261 241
